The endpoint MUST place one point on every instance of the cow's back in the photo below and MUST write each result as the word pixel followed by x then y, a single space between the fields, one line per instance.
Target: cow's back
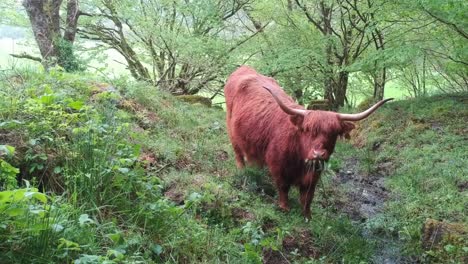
pixel 252 116
pixel 244 86
pixel 236 83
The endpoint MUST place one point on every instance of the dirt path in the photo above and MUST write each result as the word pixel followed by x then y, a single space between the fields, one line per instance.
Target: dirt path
pixel 367 196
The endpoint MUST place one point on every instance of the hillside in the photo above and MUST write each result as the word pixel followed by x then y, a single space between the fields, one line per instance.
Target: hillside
pixel 114 171
pixel 412 157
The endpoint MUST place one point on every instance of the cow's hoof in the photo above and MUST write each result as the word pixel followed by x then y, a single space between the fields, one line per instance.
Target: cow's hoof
pixel 284 208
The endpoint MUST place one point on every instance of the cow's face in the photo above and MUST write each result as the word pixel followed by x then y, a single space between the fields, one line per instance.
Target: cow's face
pixel 318 132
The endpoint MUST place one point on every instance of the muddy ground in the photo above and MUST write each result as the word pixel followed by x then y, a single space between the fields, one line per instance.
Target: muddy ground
pixel 362 198
pixel 366 195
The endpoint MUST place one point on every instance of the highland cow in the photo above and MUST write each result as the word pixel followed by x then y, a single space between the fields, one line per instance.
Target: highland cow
pixel 267 128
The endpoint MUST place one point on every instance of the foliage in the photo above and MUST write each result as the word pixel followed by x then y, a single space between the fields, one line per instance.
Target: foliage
pixel 130 181
pixel 189 47
pixel 7 172
pixel 27 224
pixel 180 46
pixel 396 36
pixel 67 57
pixel 118 170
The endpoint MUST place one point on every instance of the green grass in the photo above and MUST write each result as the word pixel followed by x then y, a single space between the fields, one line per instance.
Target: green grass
pixel 138 176
pixel 424 140
pixel 194 139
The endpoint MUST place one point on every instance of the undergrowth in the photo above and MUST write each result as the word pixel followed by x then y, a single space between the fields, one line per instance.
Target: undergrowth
pixel 116 171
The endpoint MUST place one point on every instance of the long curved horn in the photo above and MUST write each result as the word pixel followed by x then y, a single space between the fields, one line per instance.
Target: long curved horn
pixel 285 108
pixel 362 115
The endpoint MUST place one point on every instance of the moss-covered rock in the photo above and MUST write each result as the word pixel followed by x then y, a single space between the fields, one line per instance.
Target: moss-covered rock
pixel 366 103
pixel 195 99
pixel 319 105
pixel 436 233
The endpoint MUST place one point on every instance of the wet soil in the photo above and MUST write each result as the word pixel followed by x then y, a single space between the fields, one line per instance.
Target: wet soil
pixel 300 244
pixel 366 195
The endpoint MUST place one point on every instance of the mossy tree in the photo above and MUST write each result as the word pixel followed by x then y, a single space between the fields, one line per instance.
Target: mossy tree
pixel 56 48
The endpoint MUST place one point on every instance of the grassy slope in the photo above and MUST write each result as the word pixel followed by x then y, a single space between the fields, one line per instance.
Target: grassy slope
pixel 421 140
pixel 145 178
pixel 238 202
pixel 193 205
pixel 421 147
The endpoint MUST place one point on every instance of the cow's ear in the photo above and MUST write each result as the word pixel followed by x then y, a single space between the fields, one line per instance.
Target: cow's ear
pixel 297 120
pixel 346 128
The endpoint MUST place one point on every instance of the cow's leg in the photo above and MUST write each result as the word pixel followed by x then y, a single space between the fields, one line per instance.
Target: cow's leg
pixel 240 162
pixel 283 191
pixel 307 191
pixel 279 177
pixel 239 154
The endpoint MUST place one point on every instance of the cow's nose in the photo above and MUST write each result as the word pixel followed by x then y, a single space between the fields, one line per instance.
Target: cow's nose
pixel 318 154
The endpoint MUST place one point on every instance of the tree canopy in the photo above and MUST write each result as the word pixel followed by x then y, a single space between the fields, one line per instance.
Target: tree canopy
pixel 317 49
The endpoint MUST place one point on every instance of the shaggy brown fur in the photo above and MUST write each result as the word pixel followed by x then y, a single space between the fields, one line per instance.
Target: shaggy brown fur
pixel 262 134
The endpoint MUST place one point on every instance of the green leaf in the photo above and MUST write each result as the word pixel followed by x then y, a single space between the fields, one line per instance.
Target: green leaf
pixel 6 149
pixel 136 150
pixel 47 99
pixel 36 195
pixel 40 196
pixel 5 196
pixel 449 248
pixel 32 141
pixel 10 124
pixel 15 211
pixel 194 196
pixel 157 249
pixel 116 238
pixel 84 219
pixel 76 105
pixel 124 170
pixel 57 227
pixel 57 170
pixel 68 245
pixel 115 254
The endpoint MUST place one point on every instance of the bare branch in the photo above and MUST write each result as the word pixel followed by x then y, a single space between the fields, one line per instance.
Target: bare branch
pixel 24 55
pixel 460 31
pixel 309 17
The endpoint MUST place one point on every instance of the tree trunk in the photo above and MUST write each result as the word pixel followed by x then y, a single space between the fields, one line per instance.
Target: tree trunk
pixel 290 5
pixel 423 81
pixel 44 27
pixel 45 22
pixel 380 78
pixel 72 21
pixel 340 87
pixel 329 85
